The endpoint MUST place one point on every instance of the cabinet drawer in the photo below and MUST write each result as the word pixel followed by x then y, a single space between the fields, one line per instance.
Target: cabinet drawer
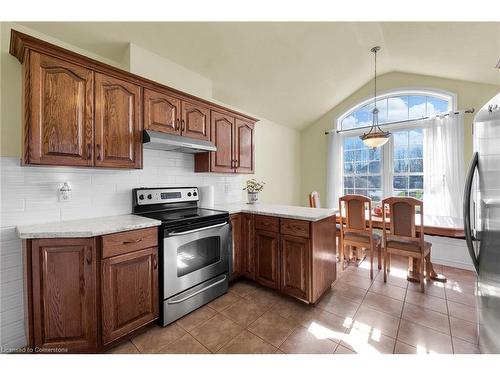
pixel 125 242
pixel 292 227
pixel 268 223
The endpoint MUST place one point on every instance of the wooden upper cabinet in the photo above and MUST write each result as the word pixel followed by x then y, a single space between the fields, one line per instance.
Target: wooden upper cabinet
pixel 295 253
pixel 59 112
pixel 267 258
pixel 222 136
pixel 129 290
pixel 118 123
pixel 162 112
pixel 244 147
pixel 195 122
pixel 64 294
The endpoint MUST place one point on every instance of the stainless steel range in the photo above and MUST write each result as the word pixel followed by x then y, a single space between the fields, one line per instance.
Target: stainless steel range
pixel 194 248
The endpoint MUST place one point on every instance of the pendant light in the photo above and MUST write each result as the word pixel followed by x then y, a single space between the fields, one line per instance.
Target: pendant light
pixel 375 137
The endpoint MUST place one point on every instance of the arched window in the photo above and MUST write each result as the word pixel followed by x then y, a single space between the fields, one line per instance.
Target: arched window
pixel 397 168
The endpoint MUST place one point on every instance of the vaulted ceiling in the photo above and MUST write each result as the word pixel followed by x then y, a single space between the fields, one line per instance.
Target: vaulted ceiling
pixel 293 73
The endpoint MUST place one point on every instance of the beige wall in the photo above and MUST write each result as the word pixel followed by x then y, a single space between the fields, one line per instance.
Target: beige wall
pixel 314 141
pixel 277 147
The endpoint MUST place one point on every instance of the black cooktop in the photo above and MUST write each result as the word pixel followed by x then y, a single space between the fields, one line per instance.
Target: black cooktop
pixel 186 215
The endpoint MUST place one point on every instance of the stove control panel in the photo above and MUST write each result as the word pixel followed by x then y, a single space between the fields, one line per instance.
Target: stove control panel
pixel 166 195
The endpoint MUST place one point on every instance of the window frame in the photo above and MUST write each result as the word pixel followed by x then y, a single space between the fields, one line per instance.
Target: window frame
pixel 386 157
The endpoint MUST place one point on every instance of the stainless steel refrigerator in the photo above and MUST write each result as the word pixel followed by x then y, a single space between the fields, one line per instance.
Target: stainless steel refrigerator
pixel 482 221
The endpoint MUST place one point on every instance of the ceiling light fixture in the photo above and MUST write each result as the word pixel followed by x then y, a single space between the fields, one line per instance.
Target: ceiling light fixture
pixel 375 137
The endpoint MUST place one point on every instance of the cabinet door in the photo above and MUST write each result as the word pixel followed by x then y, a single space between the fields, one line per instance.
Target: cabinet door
pixel 267 258
pixel 118 138
pixel 64 294
pixel 236 245
pixel 247 246
pixel 195 121
pixel 222 135
pixel 59 118
pixel 295 252
pixel 129 292
pixel 244 146
pixel 161 112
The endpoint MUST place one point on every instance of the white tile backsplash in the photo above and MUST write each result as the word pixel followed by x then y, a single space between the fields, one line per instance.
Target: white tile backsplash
pixel 29 196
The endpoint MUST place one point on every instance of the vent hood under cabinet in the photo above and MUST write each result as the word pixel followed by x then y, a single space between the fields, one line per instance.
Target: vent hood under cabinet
pixel 169 142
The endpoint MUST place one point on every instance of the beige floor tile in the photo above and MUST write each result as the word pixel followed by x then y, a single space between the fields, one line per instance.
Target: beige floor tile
pixel 432 288
pixel 273 328
pixel 403 348
pixel 325 324
pixel 344 290
pixel 388 290
pixel 291 308
pixel 216 332
pixel 461 297
pixel 224 301
pixel 375 322
pixel 462 286
pixel 425 339
pixel 363 342
pixel 247 343
pixel 338 305
pixel 464 347
pixel 356 280
pixel 185 345
pixel 244 312
pixel 243 287
pixel 464 330
pixel 385 304
pixel 461 311
pixel 425 317
pixel 195 318
pixel 156 337
pixel 362 270
pixel 265 297
pixel 395 277
pixel 304 341
pixel 125 348
pixel 343 350
pixel 348 291
pixel 426 301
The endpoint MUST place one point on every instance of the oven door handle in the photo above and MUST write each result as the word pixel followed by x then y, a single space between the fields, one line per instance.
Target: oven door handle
pixel 196 230
pixel 175 301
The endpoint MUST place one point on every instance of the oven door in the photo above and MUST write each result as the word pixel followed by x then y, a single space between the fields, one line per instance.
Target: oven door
pixel 192 256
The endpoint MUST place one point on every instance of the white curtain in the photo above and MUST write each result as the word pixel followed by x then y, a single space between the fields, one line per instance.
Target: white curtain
pixel 443 165
pixel 334 175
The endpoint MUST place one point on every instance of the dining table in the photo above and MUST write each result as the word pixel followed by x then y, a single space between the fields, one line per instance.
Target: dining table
pixel 442 226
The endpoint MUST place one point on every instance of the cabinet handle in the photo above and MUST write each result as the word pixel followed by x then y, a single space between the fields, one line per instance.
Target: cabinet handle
pixel 98 146
pixel 89 256
pixel 176 124
pixel 183 123
pixel 155 262
pixel 132 241
pixel 89 151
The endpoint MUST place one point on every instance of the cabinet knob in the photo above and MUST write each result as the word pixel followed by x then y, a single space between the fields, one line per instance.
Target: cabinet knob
pixel 89 256
pixel 155 262
pixel 176 124
pixel 98 147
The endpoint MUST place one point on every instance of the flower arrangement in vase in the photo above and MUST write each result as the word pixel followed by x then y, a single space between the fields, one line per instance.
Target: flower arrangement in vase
pixel 253 188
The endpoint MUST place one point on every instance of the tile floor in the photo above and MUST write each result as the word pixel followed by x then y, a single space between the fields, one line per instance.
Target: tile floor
pixel 356 316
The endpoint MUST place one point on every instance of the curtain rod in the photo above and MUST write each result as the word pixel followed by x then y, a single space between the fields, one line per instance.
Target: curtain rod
pixel 403 121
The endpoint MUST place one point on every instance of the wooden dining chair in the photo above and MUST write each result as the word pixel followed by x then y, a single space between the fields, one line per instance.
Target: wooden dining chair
pixel 314 200
pixel 403 238
pixel 353 229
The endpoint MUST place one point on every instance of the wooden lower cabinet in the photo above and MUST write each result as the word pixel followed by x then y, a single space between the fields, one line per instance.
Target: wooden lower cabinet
pixel 295 253
pixel 267 258
pixel 297 257
pixel 63 294
pixel 129 292
pixel 78 302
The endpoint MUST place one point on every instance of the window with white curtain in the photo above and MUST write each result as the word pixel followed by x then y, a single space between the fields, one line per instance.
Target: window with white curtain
pixel 396 169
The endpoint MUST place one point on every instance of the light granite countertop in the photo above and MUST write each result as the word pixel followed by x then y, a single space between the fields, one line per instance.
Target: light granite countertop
pixel 86 227
pixel 289 212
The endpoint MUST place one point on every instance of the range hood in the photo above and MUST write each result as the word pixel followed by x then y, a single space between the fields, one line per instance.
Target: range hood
pixel 169 142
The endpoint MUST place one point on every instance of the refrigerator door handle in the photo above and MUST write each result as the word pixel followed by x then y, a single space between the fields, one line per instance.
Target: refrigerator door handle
pixel 467 219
